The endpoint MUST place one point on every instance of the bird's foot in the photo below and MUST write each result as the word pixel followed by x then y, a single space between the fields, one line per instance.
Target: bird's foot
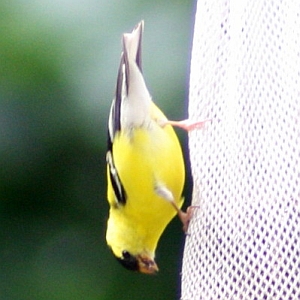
pixel 185 217
pixel 187 124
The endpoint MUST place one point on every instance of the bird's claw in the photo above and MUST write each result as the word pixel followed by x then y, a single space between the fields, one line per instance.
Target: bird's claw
pixel 187 124
pixel 185 217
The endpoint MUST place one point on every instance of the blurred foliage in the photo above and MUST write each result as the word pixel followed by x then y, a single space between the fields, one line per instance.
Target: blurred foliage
pixel 59 63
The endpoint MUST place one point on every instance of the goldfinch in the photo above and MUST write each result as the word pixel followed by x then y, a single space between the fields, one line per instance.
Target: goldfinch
pixel 145 167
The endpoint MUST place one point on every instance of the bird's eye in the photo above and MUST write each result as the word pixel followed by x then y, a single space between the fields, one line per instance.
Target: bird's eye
pixel 129 261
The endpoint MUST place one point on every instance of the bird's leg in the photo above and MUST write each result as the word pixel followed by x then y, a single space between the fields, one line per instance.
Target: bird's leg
pixel 184 217
pixel 185 124
pixel 166 194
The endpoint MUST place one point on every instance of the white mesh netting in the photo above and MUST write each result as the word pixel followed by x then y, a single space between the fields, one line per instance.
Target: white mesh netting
pixel 244 239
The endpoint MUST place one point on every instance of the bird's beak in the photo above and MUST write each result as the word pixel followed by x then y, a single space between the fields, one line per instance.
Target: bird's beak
pixel 147 265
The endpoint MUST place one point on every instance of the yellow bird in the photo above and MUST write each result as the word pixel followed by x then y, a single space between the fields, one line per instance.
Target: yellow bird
pixel 145 167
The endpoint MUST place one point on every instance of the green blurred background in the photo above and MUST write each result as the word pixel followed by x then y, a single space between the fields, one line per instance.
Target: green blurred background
pixel 59 63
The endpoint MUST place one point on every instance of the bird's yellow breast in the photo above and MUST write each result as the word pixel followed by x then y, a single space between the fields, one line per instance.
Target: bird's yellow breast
pixel 145 157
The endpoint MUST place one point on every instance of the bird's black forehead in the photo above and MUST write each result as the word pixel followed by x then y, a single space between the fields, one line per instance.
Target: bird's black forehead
pixel 128 261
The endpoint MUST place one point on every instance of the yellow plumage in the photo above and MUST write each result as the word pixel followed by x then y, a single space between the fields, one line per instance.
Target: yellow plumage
pixel 145 159
pixel 145 166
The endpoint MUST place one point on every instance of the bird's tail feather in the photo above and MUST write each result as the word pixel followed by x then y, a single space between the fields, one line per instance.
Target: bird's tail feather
pixel 132 44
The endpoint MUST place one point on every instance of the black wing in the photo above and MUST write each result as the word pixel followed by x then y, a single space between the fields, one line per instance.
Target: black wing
pixel 114 122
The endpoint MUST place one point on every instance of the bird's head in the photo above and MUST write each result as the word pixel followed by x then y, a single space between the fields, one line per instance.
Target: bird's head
pixel 133 243
pixel 142 263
